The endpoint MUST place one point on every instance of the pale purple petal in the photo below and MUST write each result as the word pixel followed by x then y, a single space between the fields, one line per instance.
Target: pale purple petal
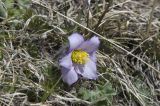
pixel 75 40
pixel 78 68
pixel 90 45
pixel 93 57
pixel 69 76
pixel 66 61
pixel 89 70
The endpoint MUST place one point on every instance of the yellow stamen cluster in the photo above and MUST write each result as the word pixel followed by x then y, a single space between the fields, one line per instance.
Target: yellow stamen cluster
pixel 79 56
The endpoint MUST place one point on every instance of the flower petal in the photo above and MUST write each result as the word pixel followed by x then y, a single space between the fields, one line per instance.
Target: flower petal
pixel 89 71
pixel 90 45
pixel 75 40
pixel 66 61
pixel 78 68
pixel 93 57
pixel 69 76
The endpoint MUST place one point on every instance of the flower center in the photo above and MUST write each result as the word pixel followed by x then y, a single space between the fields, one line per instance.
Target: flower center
pixel 79 56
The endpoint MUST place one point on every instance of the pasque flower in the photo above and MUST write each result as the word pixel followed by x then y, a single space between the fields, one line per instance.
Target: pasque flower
pixel 80 59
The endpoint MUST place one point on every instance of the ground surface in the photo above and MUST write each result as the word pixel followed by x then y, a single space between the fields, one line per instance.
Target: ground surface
pixel 33 36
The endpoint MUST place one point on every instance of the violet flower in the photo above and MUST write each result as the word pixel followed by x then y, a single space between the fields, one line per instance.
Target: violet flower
pixel 80 59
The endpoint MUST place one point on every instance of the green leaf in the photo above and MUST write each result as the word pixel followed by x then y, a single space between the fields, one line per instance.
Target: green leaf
pixel 102 94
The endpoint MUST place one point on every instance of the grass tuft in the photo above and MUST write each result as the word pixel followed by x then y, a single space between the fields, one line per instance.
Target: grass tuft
pixel 33 37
